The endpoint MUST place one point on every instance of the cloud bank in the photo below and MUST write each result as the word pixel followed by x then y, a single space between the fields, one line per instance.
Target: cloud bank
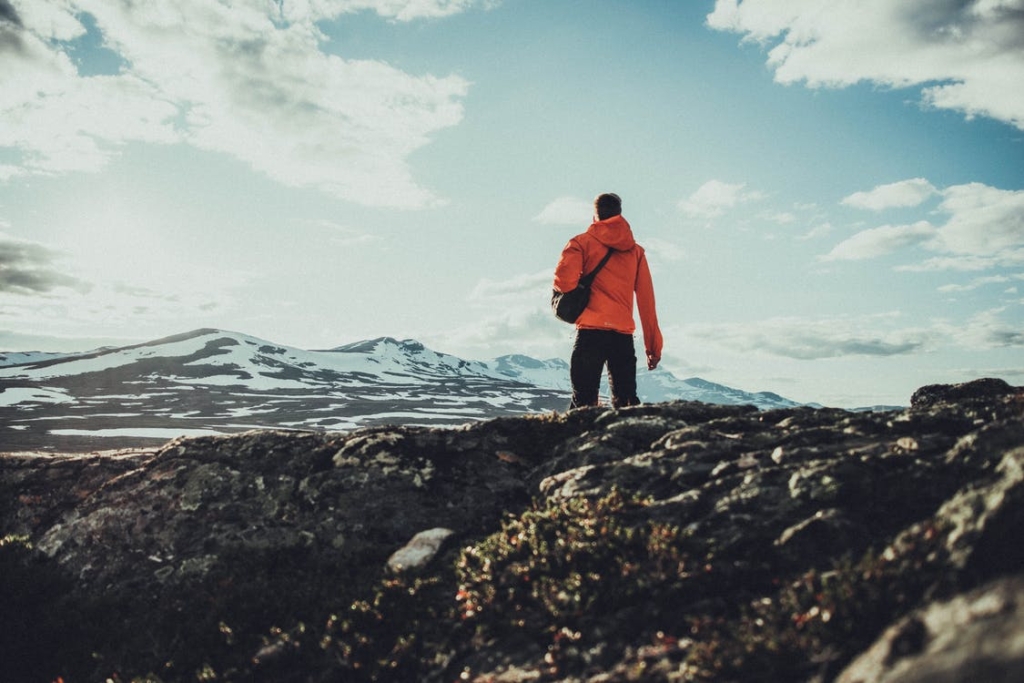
pixel 399 10
pixel 984 228
pixel 880 241
pixel 968 56
pixel 817 338
pixel 247 79
pixel 715 197
pixel 567 211
pixel 28 268
pixel 905 193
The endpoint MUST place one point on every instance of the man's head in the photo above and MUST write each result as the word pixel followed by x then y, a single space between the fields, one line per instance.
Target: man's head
pixel 607 205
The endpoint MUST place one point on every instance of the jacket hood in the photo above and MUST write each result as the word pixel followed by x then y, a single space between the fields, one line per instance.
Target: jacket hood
pixel 613 232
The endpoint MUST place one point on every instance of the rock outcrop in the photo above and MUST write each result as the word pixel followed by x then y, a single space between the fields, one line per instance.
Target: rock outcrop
pixel 666 542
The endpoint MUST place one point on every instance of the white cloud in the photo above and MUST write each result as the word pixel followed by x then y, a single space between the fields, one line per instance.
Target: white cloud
pixel 818 338
pixel 47 292
pixel 966 55
pixel 984 221
pixel 984 229
pixel 399 10
pixel 978 282
pixel 715 197
pixel 52 19
pixel 820 230
pixel 29 268
pixel 527 287
pixel 965 263
pixel 530 330
pixel 902 194
pixel 516 318
pixel 567 211
pixel 988 330
pixel 118 306
pixel 879 241
pixel 662 250
pixel 248 80
pixel 780 217
pixel 61 122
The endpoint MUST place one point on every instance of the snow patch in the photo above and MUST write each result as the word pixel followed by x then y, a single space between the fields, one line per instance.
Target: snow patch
pixel 15 395
pixel 140 432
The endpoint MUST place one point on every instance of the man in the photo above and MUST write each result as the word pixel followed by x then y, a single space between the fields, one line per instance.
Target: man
pixel 604 331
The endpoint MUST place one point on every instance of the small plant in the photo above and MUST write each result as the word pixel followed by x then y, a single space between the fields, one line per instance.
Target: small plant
pixel 573 572
pixel 817 621
pixel 391 635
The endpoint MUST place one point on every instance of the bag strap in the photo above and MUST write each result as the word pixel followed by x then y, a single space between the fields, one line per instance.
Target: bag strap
pixel 587 279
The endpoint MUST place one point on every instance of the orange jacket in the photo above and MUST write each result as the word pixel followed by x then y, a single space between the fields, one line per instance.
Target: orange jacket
pixel 611 295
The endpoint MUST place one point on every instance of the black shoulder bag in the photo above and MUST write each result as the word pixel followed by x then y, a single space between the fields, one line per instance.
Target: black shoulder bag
pixel 569 305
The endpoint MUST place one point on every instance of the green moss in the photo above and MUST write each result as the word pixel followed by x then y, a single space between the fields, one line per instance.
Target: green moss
pixel 210 624
pixel 394 635
pixel 573 574
pixel 816 622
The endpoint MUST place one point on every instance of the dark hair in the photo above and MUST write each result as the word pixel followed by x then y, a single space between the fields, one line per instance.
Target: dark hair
pixel 607 205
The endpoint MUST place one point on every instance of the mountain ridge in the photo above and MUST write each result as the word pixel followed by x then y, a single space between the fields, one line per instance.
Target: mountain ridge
pixel 213 381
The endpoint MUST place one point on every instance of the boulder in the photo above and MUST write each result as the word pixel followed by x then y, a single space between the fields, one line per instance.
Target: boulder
pixel 975 636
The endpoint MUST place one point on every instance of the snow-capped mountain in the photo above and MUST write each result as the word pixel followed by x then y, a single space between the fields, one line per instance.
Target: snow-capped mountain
pixel 25 357
pixel 552 373
pixel 663 386
pixel 213 381
pixel 652 387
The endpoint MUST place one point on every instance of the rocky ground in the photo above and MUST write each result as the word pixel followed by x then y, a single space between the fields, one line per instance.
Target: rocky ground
pixel 666 542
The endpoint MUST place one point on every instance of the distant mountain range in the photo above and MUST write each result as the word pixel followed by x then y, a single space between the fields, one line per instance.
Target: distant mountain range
pixel 213 381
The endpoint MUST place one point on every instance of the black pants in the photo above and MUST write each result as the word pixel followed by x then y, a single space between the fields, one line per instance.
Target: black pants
pixel 592 350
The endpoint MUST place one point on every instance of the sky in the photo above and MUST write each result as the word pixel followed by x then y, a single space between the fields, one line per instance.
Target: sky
pixel 831 195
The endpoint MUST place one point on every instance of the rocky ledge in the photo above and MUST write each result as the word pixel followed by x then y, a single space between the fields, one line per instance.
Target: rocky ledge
pixel 667 542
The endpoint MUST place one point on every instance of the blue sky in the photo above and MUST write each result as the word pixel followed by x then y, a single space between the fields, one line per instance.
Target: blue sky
pixel 832 202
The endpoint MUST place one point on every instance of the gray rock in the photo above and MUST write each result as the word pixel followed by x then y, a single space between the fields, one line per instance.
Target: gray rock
pixel 420 550
pixel 977 636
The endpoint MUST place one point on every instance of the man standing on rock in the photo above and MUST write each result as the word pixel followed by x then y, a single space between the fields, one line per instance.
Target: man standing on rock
pixel 604 331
